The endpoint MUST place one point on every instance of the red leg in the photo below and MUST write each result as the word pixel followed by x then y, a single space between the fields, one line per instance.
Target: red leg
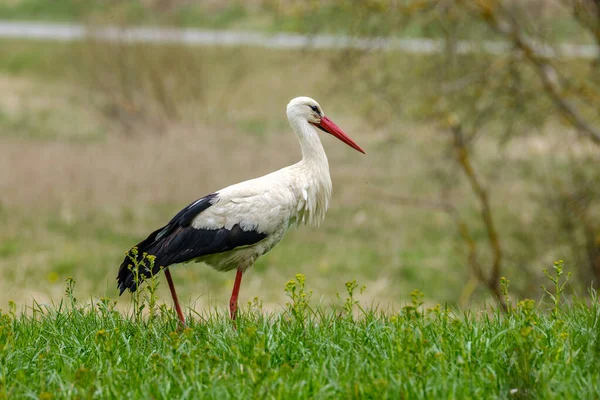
pixel 233 302
pixel 174 295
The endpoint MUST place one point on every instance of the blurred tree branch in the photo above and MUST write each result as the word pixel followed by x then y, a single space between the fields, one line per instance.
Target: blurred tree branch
pixel 506 24
pixel 587 14
pixel 492 282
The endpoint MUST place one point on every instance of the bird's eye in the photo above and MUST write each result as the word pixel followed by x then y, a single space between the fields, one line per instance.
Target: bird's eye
pixel 315 109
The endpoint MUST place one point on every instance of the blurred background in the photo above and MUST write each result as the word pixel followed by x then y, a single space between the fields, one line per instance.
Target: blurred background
pixel 481 122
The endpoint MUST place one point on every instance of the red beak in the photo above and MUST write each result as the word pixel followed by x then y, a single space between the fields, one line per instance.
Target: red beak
pixel 330 127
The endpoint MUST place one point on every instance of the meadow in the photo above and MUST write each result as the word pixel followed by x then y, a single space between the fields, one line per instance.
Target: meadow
pixel 91 350
pixel 101 143
pixel 80 185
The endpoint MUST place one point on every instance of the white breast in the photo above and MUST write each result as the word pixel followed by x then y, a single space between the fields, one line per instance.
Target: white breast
pixel 314 195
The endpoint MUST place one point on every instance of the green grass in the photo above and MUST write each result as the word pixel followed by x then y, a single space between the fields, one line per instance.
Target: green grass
pixel 71 350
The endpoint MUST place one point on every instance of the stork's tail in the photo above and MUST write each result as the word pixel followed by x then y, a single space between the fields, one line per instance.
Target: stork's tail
pixel 139 264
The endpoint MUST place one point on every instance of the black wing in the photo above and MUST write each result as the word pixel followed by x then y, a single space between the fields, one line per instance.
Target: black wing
pixel 179 242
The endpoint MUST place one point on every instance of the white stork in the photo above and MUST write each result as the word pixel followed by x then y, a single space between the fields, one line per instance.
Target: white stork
pixel 231 228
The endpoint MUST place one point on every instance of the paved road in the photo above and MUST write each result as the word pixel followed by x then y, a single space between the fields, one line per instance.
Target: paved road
pixel 200 37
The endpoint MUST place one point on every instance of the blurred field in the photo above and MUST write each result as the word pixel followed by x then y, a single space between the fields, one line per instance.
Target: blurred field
pixel 77 193
pixel 332 16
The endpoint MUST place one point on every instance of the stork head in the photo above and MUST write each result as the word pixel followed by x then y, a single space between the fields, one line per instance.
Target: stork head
pixel 309 110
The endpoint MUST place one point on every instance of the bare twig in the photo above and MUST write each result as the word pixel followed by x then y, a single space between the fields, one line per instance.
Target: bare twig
pixel 492 282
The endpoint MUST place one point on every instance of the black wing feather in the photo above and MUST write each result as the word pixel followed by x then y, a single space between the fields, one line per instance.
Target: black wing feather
pixel 179 242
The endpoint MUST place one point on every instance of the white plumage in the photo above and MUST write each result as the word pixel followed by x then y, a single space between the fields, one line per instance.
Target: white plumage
pixel 231 228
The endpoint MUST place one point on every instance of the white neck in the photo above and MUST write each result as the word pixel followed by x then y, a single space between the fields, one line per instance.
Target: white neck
pixel 314 169
pixel 312 149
